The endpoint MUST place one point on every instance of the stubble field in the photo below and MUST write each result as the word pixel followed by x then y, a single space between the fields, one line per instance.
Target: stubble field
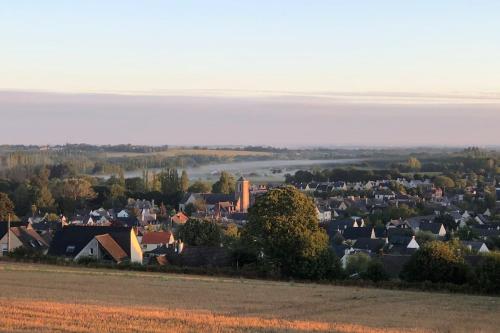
pixel 42 298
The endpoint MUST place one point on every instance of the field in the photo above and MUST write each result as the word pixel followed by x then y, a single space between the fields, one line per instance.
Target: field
pixel 199 152
pixel 44 298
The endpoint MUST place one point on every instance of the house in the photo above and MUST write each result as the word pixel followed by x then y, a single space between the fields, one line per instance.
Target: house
pixel 414 222
pixel 323 214
pixel 211 200
pixel 369 244
pixel 400 224
pixel 123 214
pixel 476 247
pixel 400 236
pixel 352 233
pixel 180 218
pixel 22 236
pixel 384 195
pixel 403 246
pixel 154 239
pixel 75 242
pixel 437 229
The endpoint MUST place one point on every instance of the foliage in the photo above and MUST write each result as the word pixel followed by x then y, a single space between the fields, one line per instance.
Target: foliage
pixel 357 263
pixel 414 164
pixel 200 187
pixel 184 182
pixel 6 207
pixel 488 272
pixel 226 184
pixel 437 262
pixel 375 272
pixel 444 182
pixel 284 228
pixel 199 232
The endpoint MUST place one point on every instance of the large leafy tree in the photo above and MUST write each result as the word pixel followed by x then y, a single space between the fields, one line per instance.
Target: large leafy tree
pixel 6 207
pixel 226 184
pixel 199 187
pixel 283 227
pixel 169 181
pixel 198 232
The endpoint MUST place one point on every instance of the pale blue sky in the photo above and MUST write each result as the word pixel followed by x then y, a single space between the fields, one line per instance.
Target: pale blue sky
pixel 395 61
pixel 350 45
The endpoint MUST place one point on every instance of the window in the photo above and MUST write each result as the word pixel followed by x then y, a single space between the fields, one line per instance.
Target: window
pixel 70 249
pixel 91 251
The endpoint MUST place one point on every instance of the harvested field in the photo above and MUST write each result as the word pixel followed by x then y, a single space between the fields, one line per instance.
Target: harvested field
pixel 46 298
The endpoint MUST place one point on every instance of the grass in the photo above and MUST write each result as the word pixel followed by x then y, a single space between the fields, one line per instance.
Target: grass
pixel 47 298
pixel 198 152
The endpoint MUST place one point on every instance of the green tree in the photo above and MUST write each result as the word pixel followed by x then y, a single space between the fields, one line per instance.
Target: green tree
pixel 226 184
pixel 169 181
pixel 437 262
pixel 488 273
pixel 199 187
pixel 357 263
pixel 444 182
pixel 283 227
pixel 184 182
pixel 44 199
pixel 198 232
pixel 375 272
pixel 414 164
pixel 77 189
pixel 6 207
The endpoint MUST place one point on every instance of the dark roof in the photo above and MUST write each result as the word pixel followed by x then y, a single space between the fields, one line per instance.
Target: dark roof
pixel 239 216
pixel 475 246
pixel 215 198
pixel 4 225
pixel 399 236
pixel 340 250
pixel 79 236
pixel 430 226
pixel 358 232
pixel 339 225
pixel 372 245
pixel 380 232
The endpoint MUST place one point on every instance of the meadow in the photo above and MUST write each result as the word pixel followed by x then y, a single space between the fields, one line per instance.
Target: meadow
pixel 45 298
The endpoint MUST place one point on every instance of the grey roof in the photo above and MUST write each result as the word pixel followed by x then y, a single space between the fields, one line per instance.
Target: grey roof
pixel 372 245
pixel 430 226
pixel 80 236
pixel 359 232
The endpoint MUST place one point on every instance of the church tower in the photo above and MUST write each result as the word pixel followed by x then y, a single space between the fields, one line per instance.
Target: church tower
pixel 243 194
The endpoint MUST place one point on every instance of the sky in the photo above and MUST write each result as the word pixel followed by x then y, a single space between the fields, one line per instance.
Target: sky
pixel 250 72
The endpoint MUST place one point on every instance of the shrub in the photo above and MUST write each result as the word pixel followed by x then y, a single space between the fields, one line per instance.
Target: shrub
pixel 437 262
pixel 375 272
pixel 488 273
pixel 357 263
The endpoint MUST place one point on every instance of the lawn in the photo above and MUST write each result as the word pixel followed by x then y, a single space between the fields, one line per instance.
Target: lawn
pixel 46 298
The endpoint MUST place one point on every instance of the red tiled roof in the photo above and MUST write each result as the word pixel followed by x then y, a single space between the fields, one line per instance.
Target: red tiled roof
pixel 180 217
pixel 112 247
pixel 156 237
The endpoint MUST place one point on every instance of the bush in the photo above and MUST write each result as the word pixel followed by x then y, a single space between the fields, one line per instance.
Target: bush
pixel 437 262
pixel 375 272
pixel 357 263
pixel 488 273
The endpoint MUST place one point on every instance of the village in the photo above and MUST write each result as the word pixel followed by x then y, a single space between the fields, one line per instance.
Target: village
pixel 376 219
